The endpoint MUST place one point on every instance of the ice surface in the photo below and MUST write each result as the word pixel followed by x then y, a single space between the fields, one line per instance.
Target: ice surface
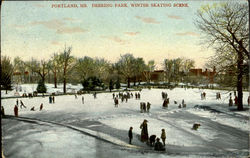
pixel 100 113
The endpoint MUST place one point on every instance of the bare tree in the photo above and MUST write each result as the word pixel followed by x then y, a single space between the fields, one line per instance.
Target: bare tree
pixel 41 68
pixel 226 27
pixel 126 67
pixel 66 59
pixel 55 66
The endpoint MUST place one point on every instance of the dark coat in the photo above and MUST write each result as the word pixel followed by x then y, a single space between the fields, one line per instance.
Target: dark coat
pixel 130 134
pixel 159 146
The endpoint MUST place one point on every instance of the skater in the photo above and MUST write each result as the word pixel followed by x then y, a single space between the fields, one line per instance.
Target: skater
pixel 196 126
pixel 141 106
pixel 236 101
pixel 144 131
pixel 22 105
pixel 116 102
pixel 158 145
pixel 16 111
pixel 82 99
pixel 163 136
pixel 130 134
pixel 144 107
pixel 75 96
pixel 165 103
pixel 95 95
pixel 248 100
pixel 113 95
pixel 183 102
pixel 41 106
pixel 139 95
pixel 179 106
pixel 32 109
pixel 53 99
pixel 152 140
pixel 148 106
pixel 17 102
pixel 230 101
pixel 2 111
pixel 204 95
pixel 50 99
pixel 201 96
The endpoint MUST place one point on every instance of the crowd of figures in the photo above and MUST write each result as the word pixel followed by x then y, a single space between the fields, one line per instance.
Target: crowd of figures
pixel 166 101
pixel 124 97
pixel 153 140
pixel 21 105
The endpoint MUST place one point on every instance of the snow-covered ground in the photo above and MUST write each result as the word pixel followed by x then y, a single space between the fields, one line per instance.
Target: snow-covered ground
pixel 97 129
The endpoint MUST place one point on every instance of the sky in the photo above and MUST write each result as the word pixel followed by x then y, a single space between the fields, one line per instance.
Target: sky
pixel 37 30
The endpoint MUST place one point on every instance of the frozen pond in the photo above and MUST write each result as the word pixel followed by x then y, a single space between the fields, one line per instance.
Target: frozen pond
pixel 69 128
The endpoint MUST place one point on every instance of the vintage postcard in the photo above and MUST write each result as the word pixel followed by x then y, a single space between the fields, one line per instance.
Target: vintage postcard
pixel 125 78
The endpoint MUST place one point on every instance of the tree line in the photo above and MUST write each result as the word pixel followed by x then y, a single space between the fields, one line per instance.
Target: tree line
pixel 64 68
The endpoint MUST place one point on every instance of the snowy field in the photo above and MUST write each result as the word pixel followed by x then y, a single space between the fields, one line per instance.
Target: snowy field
pixel 69 128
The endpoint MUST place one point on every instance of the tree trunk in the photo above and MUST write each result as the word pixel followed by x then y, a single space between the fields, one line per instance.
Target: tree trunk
pixel 64 85
pixel 55 80
pixel 128 82
pixel 6 92
pixel 239 79
pixel 43 79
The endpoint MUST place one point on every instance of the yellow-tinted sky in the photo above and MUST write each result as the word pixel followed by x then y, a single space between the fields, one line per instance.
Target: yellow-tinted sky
pixel 35 29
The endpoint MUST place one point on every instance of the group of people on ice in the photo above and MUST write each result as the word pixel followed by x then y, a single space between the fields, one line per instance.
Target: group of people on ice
pixel 144 107
pixel 153 141
pixel 166 101
pixel 124 96
pixel 51 99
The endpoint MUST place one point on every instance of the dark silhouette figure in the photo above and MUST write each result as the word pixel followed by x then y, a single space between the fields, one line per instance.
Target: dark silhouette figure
pixel 53 99
pixel 22 105
pixel 50 99
pixel 144 131
pixel 16 111
pixel 196 126
pixel 41 106
pixel 32 109
pixel 158 145
pixel 248 100
pixel 148 106
pixel 130 134
pixel 2 111
pixel 152 140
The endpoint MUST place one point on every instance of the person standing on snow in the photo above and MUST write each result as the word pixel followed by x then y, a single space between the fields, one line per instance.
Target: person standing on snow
pixel 144 131
pixel 130 134
pixel 41 106
pixel 236 101
pixel 16 111
pixel 2 111
pixel 158 145
pixel 148 106
pixel 82 99
pixel 163 136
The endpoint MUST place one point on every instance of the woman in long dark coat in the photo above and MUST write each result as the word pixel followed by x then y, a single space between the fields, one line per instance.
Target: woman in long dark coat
pixel 144 131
